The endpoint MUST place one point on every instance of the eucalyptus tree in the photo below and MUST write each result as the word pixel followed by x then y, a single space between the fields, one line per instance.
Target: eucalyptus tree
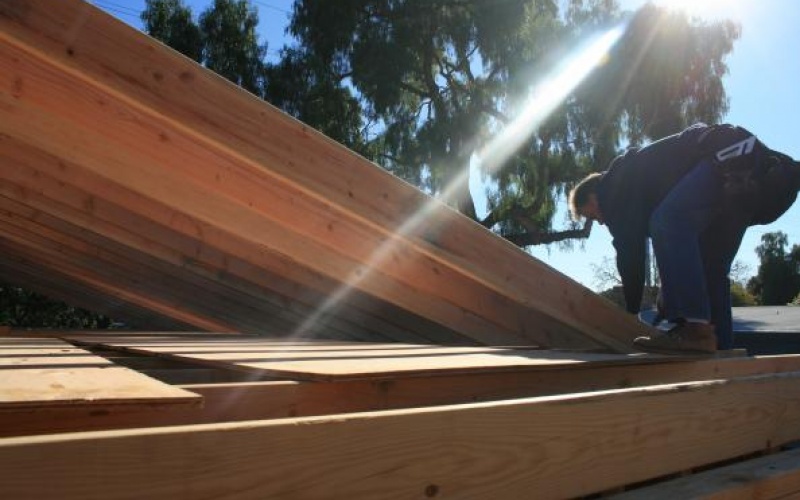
pixel 305 88
pixel 225 39
pixel 442 77
pixel 231 44
pixel 171 22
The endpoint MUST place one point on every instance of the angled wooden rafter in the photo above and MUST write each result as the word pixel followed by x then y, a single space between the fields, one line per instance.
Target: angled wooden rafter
pixel 166 129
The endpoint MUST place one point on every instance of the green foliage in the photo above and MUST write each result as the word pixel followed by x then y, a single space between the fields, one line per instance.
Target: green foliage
pixel 302 86
pixel 665 74
pixel 225 40
pixel 20 308
pixel 740 297
pixel 778 279
pixel 443 77
pixel 419 86
pixel 171 22
pixel 230 43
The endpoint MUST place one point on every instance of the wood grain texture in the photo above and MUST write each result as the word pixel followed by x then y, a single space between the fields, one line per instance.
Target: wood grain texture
pixel 243 400
pixel 46 373
pixel 290 291
pixel 306 360
pixel 776 476
pixel 557 447
pixel 168 130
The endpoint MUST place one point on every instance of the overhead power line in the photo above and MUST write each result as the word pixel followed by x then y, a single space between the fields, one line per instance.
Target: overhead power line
pixel 119 12
pixel 118 7
pixel 273 7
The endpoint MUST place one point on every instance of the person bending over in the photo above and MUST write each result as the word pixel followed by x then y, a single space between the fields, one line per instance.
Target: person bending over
pixel 694 194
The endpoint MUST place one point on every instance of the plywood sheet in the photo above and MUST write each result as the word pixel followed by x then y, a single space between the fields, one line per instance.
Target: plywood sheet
pixel 335 360
pixel 47 373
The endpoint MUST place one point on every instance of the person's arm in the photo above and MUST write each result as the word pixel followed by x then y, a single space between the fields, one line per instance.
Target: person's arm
pixel 631 264
pixel 628 227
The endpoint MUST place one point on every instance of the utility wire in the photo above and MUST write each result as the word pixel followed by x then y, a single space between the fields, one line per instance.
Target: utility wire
pixel 119 12
pixel 119 7
pixel 273 7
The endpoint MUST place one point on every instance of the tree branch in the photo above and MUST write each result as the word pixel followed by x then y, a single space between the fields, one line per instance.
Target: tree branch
pixel 532 235
pixel 414 90
pixel 541 238
pixel 496 114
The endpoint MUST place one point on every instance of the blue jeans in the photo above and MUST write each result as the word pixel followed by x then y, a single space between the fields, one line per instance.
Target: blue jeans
pixel 696 234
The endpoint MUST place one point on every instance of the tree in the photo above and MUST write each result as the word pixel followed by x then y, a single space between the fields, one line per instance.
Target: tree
pixel 230 43
pixel 441 77
pixel 778 279
pixel 21 308
pixel 225 39
pixel 305 88
pixel 171 22
pixel 740 296
pixel 226 42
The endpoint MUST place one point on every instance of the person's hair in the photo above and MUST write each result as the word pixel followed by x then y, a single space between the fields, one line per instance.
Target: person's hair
pixel 579 195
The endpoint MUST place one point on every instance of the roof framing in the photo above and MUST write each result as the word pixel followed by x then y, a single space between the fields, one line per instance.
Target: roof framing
pixel 156 168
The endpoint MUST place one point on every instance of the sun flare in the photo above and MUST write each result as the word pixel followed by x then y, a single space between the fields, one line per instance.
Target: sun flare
pixel 708 9
pixel 544 98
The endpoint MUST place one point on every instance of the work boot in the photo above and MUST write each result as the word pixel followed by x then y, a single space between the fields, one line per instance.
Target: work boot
pixel 686 338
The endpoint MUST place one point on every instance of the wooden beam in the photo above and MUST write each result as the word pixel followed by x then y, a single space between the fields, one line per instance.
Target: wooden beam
pixel 104 212
pixel 67 208
pixel 261 212
pixel 243 400
pixel 148 276
pixel 558 447
pixel 348 205
pixel 776 476
pixel 54 262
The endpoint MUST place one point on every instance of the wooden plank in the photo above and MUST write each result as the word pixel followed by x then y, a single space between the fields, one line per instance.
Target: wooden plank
pixel 286 399
pixel 354 206
pixel 772 477
pixel 343 361
pixel 172 228
pixel 69 207
pixel 53 261
pixel 262 212
pixel 559 447
pixel 249 400
pixel 150 277
pixel 45 373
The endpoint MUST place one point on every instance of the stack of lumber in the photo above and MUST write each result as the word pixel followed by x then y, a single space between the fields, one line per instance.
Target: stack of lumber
pixel 448 422
pixel 136 183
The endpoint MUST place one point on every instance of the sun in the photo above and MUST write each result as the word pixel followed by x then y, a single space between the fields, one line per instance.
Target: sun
pixel 708 9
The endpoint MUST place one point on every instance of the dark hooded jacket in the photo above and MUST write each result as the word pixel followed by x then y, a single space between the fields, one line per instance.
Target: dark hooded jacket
pixel 631 189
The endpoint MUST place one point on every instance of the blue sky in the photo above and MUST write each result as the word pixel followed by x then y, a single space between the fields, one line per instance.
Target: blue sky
pixel 763 86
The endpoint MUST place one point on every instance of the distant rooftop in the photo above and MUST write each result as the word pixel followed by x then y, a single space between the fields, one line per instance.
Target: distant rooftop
pixel 766 319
